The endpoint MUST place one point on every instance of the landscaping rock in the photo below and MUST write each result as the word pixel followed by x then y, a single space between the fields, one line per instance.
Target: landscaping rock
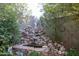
pixel 40 38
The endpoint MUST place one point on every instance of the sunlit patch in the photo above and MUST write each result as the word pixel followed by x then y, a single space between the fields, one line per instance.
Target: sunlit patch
pixel 35 8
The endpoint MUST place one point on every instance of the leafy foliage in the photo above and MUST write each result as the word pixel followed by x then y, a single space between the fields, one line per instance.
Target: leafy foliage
pixel 5 54
pixel 72 52
pixel 9 32
pixel 34 53
pixel 61 22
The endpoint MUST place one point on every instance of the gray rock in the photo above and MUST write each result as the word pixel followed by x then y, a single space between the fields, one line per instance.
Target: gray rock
pixel 62 48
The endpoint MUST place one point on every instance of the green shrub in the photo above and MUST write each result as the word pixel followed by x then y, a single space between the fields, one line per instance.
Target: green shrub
pixel 9 31
pixel 5 54
pixel 72 52
pixel 34 53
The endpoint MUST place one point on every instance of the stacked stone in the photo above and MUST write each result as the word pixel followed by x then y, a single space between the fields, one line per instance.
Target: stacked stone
pixel 53 49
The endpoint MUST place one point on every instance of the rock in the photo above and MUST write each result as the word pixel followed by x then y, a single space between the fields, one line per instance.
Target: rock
pixel 50 45
pixel 45 53
pixel 43 37
pixel 63 53
pixel 55 52
pixel 62 48
pixel 48 48
pixel 45 46
pixel 47 39
pixel 59 52
pixel 59 45
pixel 55 44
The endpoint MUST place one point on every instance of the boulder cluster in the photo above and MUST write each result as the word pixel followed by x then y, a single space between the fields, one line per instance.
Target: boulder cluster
pixel 51 48
pixel 55 48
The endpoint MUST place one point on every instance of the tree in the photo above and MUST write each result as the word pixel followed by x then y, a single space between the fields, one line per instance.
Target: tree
pixel 61 23
pixel 9 32
pixel 23 14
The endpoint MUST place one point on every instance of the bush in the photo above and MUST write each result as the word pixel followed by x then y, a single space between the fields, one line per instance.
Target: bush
pixel 34 53
pixel 9 32
pixel 72 52
pixel 5 54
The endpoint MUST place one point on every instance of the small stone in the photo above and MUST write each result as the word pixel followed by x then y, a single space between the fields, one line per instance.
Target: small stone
pixel 45 53
pixel 59 52
pixel 49 44
pixel 22 38
pixel 44 46
pixel 59 45
pixel 55 44
pixel 56 50
pixel 62 48
pixel 63 52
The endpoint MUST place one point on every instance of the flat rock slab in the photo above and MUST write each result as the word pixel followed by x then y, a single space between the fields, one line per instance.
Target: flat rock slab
pixel 27 48
pixel 22 47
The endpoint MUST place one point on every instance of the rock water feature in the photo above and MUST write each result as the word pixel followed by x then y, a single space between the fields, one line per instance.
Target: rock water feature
pixel 31 40
pixel 34 39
